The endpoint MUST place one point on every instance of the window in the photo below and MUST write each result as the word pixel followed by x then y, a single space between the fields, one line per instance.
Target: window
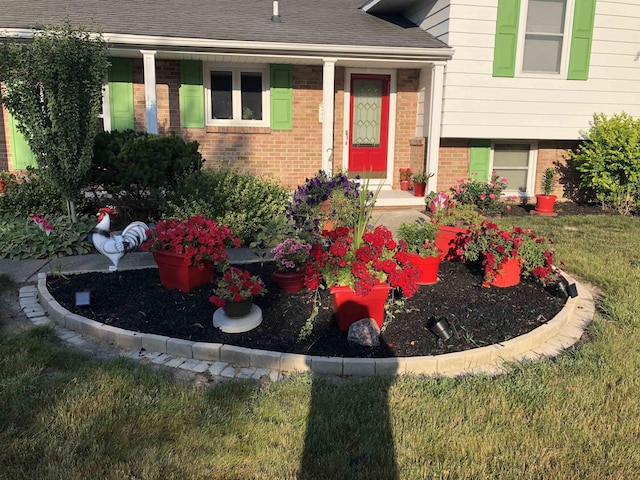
pixel 237 96
pixel 515 162
pixel 544 36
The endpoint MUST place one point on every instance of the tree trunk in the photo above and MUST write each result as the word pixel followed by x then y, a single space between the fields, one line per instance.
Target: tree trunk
pixel 71 209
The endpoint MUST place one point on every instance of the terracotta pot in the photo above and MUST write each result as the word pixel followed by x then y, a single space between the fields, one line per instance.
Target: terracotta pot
pixel 448 240
pixel 508 275
pixel 175 273
pixel 419 188
pixel 238 309
pixel 290 282
pixel 3 185
pixel 404 185
pixel 544 203
pixel 349 307
pixel 428 267
pixel 326 208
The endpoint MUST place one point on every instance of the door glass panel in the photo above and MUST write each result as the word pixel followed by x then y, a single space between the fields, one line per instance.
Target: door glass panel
pixel 221 89
pixel 367 112
pixel 251 94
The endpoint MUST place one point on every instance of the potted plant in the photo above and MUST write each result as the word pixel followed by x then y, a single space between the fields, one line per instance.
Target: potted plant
pixel 419 242
pixel 235 291
pixel 291 256
pixel 506 255
pixel 405 178
pixel 420 183
pixel 360 265
pixel 546 201
pixel 322 203
pixel 453 222
pixel 188 250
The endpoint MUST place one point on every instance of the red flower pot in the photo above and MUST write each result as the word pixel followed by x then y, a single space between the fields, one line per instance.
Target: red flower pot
pixel 508 275
pixel 428 268
pixel 349 307
pixel 3 186
pixel 419 188
pixel 404 185
pixel 290 282
pixel 175 273
pixel 449 240
pixel 544 203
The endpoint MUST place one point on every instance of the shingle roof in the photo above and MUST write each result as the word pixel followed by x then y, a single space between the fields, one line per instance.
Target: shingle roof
pixel 324 22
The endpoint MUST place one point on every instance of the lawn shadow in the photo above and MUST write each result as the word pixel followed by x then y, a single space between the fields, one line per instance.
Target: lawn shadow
pixel 348 431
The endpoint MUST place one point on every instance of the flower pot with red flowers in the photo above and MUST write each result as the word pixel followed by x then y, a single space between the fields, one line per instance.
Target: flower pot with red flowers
pixel 234 294
pixel 419 242
pixel 188 250
pixel 405 178
pixel 291 256
pixel 507 255
pixel 546 201
pixel 359 259
pixel 453 222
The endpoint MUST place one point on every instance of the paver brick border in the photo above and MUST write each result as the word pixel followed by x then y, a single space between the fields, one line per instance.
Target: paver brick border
pixel 547 340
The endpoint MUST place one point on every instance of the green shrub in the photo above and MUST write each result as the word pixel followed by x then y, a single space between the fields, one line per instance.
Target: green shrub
pixel 35 194
pixel 243 202
pixel 22 238
pixel 138 169
pixel 608 161
pixel 486 196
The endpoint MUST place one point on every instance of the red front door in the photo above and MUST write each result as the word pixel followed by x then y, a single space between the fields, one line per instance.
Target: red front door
pixel 369 125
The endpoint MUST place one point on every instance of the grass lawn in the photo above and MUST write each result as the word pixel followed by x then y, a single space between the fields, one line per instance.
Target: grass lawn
pixel 66 416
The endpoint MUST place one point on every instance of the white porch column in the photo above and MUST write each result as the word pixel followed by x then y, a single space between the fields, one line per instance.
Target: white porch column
pixel 150 100
pixel 433 126
pixel 328 85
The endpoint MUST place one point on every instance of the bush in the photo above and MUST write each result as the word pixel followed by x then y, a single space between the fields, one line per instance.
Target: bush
pixel 486 196
pixel 22 238
pixel 608 161
pixel 239 200
pixel 35 194
pixel 138 169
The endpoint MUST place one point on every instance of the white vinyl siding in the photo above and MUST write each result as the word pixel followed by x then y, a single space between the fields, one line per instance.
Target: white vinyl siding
pixel 478 105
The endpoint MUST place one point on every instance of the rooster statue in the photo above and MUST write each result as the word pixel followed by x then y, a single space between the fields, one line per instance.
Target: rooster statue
pixel 114 247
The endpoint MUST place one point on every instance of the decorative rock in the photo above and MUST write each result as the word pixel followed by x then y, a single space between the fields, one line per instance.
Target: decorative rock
pixel 364 332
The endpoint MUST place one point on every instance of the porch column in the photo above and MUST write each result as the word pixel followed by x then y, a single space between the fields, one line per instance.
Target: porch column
pixel 151 103
pixel 328 83
pixel 433 123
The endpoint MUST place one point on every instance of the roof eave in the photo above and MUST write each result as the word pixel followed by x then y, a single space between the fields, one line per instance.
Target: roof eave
pixel 203 45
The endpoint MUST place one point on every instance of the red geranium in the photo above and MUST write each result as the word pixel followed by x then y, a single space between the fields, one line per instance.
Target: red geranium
pixel 377 259
pixel 200 239
pixel 236 285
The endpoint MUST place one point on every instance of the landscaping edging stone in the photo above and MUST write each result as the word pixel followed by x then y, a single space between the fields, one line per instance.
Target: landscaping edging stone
pixel 548 340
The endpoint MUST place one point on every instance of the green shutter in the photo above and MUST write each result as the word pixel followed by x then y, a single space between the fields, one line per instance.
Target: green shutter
pixel 479 160
pixel 21 154
pixel 581 35
pixel 281 97
pixel 191 94
pixel 504 51
pixel 121 93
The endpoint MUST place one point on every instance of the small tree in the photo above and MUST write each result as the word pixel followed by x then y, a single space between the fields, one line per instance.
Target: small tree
pixel 609 161
pixel 53 88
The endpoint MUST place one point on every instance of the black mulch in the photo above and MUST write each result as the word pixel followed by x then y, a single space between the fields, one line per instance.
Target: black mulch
pixel 135 300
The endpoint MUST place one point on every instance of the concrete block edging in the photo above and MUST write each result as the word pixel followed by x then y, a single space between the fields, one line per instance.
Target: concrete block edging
pixel 488 359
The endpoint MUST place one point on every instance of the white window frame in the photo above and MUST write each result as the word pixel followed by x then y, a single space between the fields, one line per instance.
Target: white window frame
pixel 531 167
pixel 566 42
pixel 105 114
pixel 236 70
